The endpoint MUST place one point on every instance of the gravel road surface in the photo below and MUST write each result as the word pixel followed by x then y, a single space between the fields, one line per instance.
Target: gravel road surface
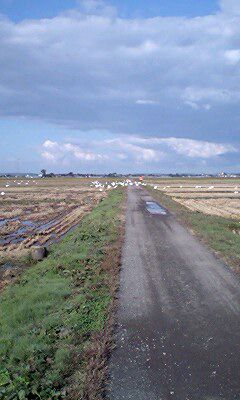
pixel 179 323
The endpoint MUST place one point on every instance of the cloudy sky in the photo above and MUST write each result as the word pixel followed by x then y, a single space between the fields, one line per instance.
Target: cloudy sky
pixel 121 85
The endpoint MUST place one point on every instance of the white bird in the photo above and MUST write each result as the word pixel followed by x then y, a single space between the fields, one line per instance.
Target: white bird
pixel 2 193
pixel 155 187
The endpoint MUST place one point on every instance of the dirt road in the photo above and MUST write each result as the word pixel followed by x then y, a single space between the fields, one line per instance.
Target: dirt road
pixel 178 335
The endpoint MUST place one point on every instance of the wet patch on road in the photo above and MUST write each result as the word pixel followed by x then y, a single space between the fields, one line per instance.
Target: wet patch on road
pixel 155 208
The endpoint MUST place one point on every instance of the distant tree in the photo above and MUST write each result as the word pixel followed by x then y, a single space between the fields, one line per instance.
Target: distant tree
pixel 44 173
pixel 51 175
pixel 112 174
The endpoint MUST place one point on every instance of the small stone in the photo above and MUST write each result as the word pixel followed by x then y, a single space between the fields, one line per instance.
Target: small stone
pixel 38 253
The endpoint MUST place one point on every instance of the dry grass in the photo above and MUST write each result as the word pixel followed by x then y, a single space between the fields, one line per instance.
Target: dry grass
pixel 220 197
pixel 39 211
pixel 228 208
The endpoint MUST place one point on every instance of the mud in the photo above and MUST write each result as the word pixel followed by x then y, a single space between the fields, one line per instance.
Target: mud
pixel 41 216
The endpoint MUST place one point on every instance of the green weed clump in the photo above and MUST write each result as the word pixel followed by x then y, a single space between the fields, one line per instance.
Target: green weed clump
pixel 48 318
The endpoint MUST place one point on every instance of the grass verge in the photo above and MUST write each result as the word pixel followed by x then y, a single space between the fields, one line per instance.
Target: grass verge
pixel 55 323
pixel 220 234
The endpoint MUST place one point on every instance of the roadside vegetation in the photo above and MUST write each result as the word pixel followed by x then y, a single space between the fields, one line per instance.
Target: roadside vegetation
pixel 220 234
pixel 56 321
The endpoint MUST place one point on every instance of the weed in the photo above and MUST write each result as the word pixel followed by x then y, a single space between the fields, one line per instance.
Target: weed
pixel 49 318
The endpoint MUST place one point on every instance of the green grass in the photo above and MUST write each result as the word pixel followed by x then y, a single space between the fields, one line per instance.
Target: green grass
pixel 47 320
pixel 216 232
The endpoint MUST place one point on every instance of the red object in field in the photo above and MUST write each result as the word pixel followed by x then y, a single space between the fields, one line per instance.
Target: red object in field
pixel 141 178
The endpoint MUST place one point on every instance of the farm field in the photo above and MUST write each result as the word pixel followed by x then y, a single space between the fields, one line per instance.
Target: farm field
pixel 213 197
pixel 41 211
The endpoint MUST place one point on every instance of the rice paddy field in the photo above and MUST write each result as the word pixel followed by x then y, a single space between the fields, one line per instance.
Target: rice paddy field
pixel 41 211
pixel 220 197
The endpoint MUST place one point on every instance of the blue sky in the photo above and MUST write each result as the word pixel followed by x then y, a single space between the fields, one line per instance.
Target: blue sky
pixel 120 85
pixel 18 10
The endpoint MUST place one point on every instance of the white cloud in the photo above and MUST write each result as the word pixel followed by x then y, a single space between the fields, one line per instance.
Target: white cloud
pixel 48 144
pixel 197 106
pixel 196 96
pixel 146 102
pixel 192 104
pixel 230 6
pixel 128 153
pixel 197 148
pixel 60 151
pixel 144 154
pixel 49 156
pixel 143 49
pixel 82 155
pixel 134 151
pixel 91 69
pixel 233 56
pixel 188 147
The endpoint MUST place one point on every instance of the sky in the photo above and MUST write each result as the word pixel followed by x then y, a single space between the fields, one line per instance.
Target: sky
pixel 120 86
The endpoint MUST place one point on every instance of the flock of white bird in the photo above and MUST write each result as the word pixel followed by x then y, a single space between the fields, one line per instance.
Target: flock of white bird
pixel 113 185
pixel 18 183
pixel 196 187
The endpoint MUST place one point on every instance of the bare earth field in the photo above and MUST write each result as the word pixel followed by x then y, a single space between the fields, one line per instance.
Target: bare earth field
pixel 219 197
pixel 40 211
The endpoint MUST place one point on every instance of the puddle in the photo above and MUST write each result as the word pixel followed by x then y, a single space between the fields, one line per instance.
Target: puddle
pixel 27 228
pixel 28 223
pixel 6 266
pixel 47 225
pixel 57 238
pixel 155 208
pixel 31 228
pixel 6 220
